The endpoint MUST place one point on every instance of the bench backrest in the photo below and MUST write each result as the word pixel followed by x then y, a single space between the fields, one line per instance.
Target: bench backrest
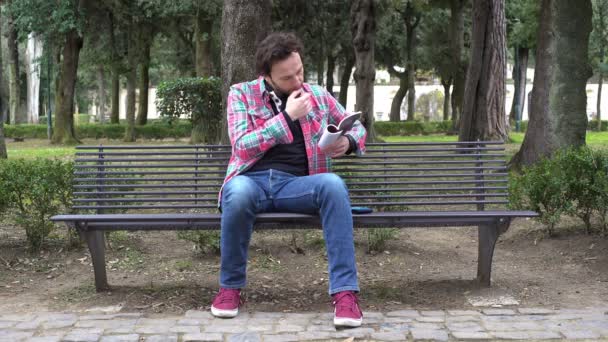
pixel 390 176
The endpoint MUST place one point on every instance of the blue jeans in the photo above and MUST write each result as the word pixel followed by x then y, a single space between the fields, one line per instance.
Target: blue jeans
pixel 251 193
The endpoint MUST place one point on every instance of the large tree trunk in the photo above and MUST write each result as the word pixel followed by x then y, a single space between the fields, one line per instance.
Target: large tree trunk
pixel 203 45
pixel 63 131
pixel 395 115
pixel 244 24
pixel 101 94
pixel 16 115
pixel 331 67
pixel 131 81
pixel 363 29
pixel 519 86
pixel 557 113
pixel 144 80
pixel 345 78
pixel 446 98
pixel 458 61
pixel 483 116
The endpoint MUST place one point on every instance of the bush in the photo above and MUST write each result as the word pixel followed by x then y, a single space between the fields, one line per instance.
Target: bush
pixel 33 191
pixel 573 181
pixel 585 177
pixel 198 99
pixel 25 131
pixel 592 125
pixel 153 130
pixel 386 128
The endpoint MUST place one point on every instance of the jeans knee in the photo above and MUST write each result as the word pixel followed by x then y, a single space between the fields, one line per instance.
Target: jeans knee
pixel 332 185
pixel 239 193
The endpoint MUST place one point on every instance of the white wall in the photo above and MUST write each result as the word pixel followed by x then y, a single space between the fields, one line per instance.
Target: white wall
pixel 383 96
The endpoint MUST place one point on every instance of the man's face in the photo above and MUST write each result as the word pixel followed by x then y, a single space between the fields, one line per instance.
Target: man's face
pixel 287 75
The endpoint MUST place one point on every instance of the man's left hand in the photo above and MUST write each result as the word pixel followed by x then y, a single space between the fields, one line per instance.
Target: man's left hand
pixel 339 148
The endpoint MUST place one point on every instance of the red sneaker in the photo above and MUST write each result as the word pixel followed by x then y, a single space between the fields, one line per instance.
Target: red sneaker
pixel 347 312
pixel 226 303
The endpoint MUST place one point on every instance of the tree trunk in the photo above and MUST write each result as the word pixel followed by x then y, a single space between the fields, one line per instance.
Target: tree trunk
pixel 320 70
pixel 4 98
pixel 203 46
pixel 144 80
pixel 3 153
pixel 131 81
pixel 483 117
pixel 101 90
pixel 446 98
pixel 16 115
pixel 331 67
pixel 244 24
pixel 363 28
pixel 345 79
pixel 395 115
pixel 115 92
pixel 558 117
pixel 130 107
pixel 519 86
pixel 411 95
pixel 412 19
pixel 599 102
pixel 458 62
pixel 115 111
pixel 63 131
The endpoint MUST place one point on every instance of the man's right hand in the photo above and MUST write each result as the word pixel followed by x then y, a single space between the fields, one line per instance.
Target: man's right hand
pixel 298 104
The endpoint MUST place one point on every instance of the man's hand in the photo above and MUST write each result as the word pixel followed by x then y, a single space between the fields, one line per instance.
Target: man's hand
pixel 298 104
pixel 338 148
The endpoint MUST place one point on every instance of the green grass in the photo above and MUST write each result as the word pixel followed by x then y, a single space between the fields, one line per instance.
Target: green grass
pixel 42 148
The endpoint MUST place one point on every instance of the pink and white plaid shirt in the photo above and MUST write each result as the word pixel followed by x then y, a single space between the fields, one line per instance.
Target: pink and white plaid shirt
pixel 254 129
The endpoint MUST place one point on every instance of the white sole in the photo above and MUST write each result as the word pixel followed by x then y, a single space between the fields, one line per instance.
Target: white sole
pixel 347 322
pixel 224 313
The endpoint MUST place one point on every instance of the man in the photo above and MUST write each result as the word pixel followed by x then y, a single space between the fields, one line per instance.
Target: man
pixel 275 123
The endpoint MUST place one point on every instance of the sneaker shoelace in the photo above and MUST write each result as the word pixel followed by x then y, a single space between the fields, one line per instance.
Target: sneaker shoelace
pixel 349 301
pixel 227 296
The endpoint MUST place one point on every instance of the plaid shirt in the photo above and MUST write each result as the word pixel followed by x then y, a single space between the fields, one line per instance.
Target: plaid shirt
pixel 254 129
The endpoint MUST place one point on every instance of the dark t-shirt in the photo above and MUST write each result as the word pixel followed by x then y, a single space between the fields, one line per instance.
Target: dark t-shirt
pixel 290 158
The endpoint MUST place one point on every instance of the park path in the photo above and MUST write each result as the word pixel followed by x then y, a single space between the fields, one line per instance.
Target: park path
pixel 110 324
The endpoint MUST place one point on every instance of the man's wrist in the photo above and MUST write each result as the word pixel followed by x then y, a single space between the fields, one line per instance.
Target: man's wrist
pixel 352 144
pixel 287 117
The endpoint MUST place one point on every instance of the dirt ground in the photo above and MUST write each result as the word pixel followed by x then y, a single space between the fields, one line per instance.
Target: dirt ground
pixel 155 272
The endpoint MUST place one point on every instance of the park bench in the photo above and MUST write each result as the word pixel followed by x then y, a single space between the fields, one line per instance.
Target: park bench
pixel 439 184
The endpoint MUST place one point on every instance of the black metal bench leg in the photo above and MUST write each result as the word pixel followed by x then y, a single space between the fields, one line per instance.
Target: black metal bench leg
pixel 96 243
pixel 488 235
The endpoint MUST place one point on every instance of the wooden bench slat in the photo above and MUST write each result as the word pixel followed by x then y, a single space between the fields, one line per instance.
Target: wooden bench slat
pixel 147 186
pixel 155 153
pixel 145 172
pixel 147 193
